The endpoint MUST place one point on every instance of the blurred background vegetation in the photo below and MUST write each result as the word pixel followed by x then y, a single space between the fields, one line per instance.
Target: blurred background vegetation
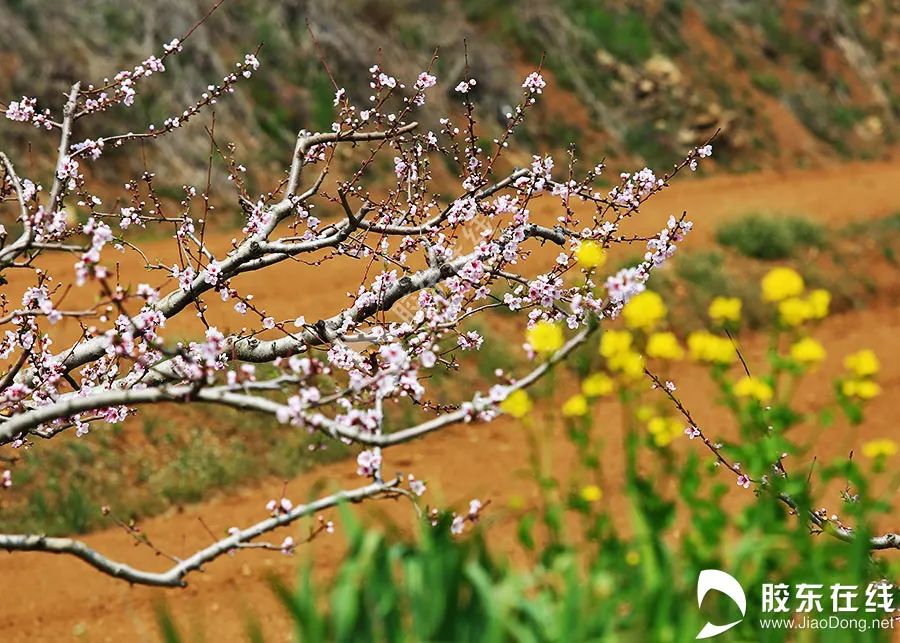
pixel 642 81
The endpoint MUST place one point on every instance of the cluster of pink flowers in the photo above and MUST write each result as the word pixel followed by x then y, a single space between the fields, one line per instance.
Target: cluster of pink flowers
pixel 534 82
pixel 25 111
pixel 459 521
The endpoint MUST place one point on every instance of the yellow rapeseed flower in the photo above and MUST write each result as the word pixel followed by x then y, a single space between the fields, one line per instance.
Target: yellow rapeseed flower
pixel 545 337
pixel 575 406
pixel 862 363
pixel 753 387
pixel 632 558
pixel 863 389
pixel 819 301
pixel 664 346
pixel 597 385
pixel 517 404
pixel 629 364
pixel 644 311
pixel 808 351
pixel 515 501
pixel 793 311
pixel 613 342
pixel 591 493
pixel 879 448
pixel 703 346
pixel 781 283
pixel 664 430
pixel 725 309
pixel 590 254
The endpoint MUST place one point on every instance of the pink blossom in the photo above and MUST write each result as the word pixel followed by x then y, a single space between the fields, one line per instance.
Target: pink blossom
pixel 425 80
pixel 287 546
pixel 367 463
pixel 534 83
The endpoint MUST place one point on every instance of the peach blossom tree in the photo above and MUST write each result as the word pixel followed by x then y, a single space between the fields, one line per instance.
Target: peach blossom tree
pixel 427 263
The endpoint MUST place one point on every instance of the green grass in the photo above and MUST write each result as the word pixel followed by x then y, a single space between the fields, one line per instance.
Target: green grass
pixel 188 454
pixel 767 83
pixel 770 237
pixel 624 34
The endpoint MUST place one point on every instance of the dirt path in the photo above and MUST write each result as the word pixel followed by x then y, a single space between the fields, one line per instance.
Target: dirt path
pixel 59 599
pixel 833 196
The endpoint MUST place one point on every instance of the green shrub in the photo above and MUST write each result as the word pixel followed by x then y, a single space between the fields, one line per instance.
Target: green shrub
pixel 767 83
pixel 770 237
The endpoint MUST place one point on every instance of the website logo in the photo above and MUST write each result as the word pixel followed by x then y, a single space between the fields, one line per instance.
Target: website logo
pixel 716 579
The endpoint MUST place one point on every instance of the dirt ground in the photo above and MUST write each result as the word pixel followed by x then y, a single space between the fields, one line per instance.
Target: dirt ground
pixel 61 599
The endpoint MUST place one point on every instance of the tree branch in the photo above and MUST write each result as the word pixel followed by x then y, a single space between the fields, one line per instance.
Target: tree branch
pixel 175 575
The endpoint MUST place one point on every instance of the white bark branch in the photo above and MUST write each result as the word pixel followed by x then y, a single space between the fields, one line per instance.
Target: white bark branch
pixel 175 575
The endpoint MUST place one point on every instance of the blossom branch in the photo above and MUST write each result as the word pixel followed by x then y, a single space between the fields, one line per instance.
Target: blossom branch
pixel 175 575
